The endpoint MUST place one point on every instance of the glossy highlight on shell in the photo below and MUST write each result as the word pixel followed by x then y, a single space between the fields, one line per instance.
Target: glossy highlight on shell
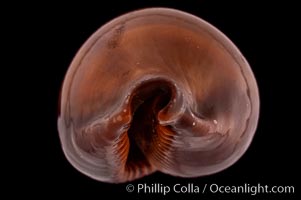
pixel 157 90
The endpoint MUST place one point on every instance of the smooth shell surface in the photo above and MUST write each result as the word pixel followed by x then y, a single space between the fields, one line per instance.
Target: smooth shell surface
pixel 157 90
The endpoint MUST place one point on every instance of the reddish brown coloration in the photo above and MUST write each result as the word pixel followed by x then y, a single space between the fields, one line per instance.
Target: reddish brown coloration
pixel 157 89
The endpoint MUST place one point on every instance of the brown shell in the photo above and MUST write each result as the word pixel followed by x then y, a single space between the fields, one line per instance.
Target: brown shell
pixel 157 90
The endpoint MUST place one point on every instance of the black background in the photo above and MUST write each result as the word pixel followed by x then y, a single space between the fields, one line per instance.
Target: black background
pixel 51 34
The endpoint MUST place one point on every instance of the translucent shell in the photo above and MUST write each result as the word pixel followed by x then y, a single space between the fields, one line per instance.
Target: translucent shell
pixel 157 90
